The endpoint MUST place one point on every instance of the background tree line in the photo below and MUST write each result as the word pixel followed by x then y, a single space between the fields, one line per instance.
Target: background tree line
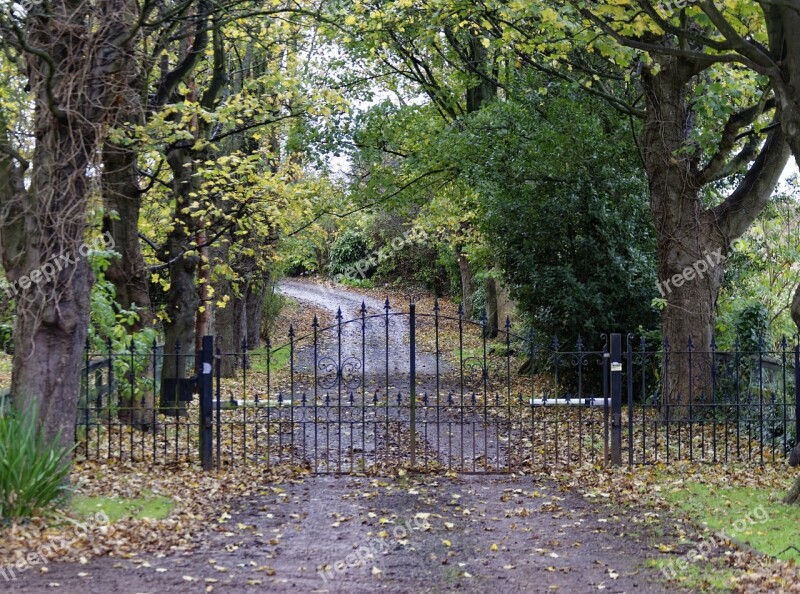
pixel 568 155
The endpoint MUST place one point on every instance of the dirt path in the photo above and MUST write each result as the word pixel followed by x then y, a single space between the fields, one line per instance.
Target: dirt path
pixel 333 299
pixel 373 386
pixel 436 533
pixel 430 534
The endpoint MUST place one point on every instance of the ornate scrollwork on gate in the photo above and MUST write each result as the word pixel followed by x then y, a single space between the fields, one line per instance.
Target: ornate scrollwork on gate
pixel 331 373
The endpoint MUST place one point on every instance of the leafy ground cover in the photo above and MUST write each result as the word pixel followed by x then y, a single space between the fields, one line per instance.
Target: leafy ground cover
pixel 728 520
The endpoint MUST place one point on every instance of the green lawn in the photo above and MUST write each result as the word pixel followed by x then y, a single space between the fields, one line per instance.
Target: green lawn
pixel 153 507
pixel 747 515
pixel 279 359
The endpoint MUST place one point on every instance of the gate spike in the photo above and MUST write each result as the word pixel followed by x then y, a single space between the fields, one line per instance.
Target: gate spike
pixel 436 305
pixel 363 308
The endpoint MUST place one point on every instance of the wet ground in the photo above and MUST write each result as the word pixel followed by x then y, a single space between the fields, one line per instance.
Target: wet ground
pixel 436 533
pixel 356 534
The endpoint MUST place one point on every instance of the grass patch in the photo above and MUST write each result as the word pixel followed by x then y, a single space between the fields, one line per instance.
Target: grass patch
pixel 358 283
pixel 154 507
pixel 752 516
pixel 469 353
pixel 702 576
pixel 279 359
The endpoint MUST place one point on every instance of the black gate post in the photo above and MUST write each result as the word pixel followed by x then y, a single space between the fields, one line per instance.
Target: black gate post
pixel 629 379
pixel 797 393
pixel 616 399
pixel 206 386
pixel 412 388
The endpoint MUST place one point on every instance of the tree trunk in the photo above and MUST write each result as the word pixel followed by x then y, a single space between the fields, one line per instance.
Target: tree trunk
pixel 127 272
pixel 783 22
pixel 122 200
pixel 692 241
pixel 795 310
pixel 793 496
pixel 492 324
pixel 43 223
pixel 254 308
pixel 690 313
pixel 182 298
pixel 794 458
pixel 467 287
pixel 229 335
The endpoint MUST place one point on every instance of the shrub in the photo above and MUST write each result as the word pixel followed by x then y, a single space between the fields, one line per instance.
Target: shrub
pixel 348 249
pixel 751 324
pixel 6 338
pixel 33 471
pixel 273 304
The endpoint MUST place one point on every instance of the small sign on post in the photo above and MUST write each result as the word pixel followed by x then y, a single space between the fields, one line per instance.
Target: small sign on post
pixel 206 385
pixel 616 399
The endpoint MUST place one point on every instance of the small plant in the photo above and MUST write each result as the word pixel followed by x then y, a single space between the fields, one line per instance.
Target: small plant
pixel 6 338
pixel 33 471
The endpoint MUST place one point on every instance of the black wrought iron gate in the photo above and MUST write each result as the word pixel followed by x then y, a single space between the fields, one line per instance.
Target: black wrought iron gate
pixel 419 390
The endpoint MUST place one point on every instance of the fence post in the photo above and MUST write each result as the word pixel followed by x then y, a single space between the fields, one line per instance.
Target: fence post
pixel 629 379
pixel 606 366
pixel 616 399
pixel 797 393
pixel 412 388
pixel 206 386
